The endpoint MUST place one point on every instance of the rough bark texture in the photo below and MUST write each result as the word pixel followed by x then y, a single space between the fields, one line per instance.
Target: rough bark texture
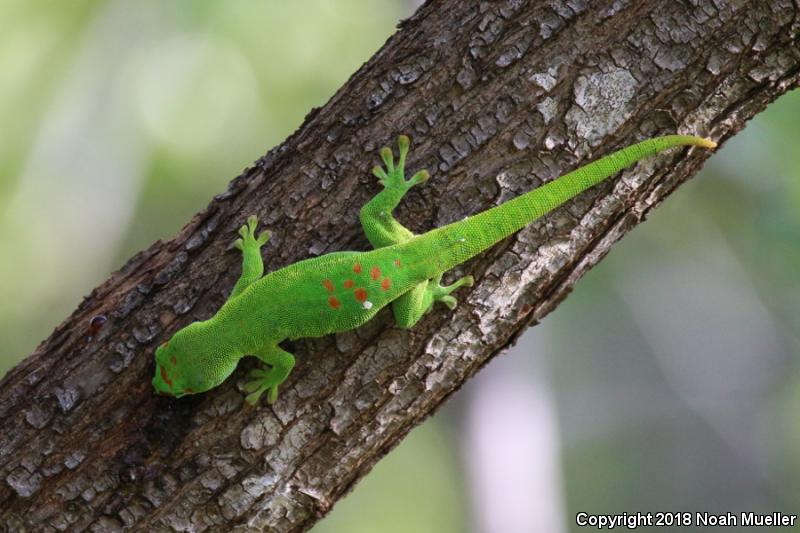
pixel 498 97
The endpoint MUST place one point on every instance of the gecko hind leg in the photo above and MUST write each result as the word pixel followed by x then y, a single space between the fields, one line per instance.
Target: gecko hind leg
pixel 380 226
pixel 411 306
pixel 268 379
pixel 382 229
pixel 441 293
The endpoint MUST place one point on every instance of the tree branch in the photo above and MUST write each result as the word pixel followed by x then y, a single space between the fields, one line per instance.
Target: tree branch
pixel 498 97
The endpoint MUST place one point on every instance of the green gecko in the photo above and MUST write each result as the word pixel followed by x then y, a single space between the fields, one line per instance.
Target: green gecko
pixel 342 290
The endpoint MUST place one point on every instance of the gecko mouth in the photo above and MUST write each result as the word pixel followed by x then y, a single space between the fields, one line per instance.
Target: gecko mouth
pixel 164 385
pixel 161 381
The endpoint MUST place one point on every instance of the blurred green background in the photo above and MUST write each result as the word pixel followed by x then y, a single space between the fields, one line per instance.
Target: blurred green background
pixel 668 381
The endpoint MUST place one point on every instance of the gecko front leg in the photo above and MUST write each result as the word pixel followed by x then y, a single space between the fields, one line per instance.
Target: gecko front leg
pixel 280 364
pixel 250 245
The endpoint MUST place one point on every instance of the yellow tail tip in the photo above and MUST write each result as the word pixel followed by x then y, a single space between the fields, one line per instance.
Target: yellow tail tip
pixel 705 142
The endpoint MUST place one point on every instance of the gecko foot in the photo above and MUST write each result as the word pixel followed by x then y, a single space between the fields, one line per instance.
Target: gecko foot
pixel 266 380
pixel 394 175
pixel 248 238
pixel 441 293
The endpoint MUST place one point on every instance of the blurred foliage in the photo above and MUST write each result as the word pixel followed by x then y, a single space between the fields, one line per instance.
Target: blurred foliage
pixel 680 387
pixel 121 119
pixel 684 380
pixel 172 100
pixel 417 487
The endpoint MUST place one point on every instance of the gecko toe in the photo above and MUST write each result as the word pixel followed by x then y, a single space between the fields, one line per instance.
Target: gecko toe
pixel 253 398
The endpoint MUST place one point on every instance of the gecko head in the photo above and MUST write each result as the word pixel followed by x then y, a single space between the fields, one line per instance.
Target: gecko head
pixel 173 367
pixel 192 361
pixel 164 378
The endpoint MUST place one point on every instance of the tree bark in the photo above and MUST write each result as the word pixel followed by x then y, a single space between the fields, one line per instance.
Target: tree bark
pixel 498 97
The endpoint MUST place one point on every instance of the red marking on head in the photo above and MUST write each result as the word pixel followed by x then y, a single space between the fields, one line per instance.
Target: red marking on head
pixel 188 390
pixel 165 376
pixel 386 284
pixel 357 268
pixel 375 273
pixel 328 285
pixel 361 295
pixel 334 302
pixel 173 361
pixel 397 262
pixel 348 284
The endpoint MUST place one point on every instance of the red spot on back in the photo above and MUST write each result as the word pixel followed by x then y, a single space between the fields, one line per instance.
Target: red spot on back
pixel 328 285
pixel 334 302
pixel 165 376
pixel 188 390
pixel 386 284
pixel 361 295
pixel 173 361
pixel 348 284
pixel 397 262
pixel 357 268
pixel 375 273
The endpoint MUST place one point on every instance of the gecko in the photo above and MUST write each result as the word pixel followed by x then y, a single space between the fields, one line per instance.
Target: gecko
pixel 342 290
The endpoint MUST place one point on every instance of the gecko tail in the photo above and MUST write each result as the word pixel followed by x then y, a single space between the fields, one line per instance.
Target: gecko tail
pixel 459 241
pixel 705 142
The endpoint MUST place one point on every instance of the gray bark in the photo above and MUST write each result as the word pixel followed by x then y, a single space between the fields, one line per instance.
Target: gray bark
pixel 498 97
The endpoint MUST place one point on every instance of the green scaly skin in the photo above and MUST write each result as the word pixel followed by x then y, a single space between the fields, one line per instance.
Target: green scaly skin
pixel 342 290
